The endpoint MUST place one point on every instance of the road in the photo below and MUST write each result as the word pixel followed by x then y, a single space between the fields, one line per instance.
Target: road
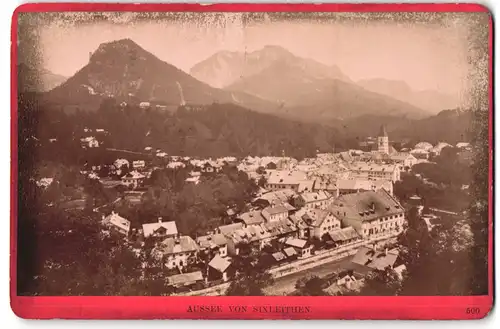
pixel 286 284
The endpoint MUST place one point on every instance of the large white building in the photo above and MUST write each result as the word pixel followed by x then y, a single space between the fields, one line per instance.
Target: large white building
pixel 375 171
pixel 371 214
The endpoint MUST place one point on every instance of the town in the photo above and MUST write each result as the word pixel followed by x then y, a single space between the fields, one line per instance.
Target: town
pixel 335 216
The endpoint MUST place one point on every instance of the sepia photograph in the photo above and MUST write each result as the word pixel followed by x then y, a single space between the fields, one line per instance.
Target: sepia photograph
pixel 253 154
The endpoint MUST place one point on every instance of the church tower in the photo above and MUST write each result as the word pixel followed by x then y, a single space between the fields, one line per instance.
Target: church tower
pixel 383 140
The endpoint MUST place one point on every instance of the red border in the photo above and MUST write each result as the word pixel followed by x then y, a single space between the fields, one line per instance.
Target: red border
pixel 425 308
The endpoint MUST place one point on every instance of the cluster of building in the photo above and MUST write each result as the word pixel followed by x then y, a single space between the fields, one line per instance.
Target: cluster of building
pixel 335 200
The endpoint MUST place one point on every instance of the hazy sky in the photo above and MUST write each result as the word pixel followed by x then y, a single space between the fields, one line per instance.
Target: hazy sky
pixel 426 57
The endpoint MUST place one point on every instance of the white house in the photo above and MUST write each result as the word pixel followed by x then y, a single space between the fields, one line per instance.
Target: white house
pixel 177 252
pixel 138 164
pixel 371 214
pixel 160 229
pixel 133 179
pixel 117 223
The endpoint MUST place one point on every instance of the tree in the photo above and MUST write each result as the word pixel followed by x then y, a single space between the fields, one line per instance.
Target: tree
pixel 381 283
pixel 262 181
pixel 261 170
pixel 251 278
pixel 310 286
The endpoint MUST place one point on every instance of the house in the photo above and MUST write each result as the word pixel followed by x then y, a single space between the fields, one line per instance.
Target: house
pixel 230 228
pixel 302 247
pixel 220 268
pixel 276 197
pixel 344 237
pixel 177 252
pixel 375 260
pixel 139 164
pixel 326 184
pixel 117 223
pixel 372 214
pixel 313 200
pixel 285 179
pixel 213 244
pixel 119 163
pixel 160 229
pixel 290 253
pixel 251 218
pixel 300 224
pixel 355 185
pixel 275 213
pixel 134 197
pixel 375 171
pixel 420 154
pixel 185 279
pixel 89 142
pixel 144 105
pixel 258 236
pixel 176 165
pixel 279 257
pixel 208 168
pixel 320 222
pixel 133 179
pixel 406 160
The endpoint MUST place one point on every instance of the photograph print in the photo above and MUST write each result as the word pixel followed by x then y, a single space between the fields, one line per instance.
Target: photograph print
pixel 252 154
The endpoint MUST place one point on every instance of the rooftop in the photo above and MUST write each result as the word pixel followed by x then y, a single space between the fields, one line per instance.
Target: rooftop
pixel 177 245
pixel 150 228
pixel 184 278
pixel 378 260
pixel 220 264
pixel 367 205
pixel 211 241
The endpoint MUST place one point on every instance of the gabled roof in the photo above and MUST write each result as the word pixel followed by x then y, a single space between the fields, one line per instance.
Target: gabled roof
pixel 347 233
pixel 309 197
pixel 366 205
pixel 298 243
pixel 220 264
pixel 211 241
pixel 184 278
pixel 315 217
pixel 289 252
pixel 229 229
pixel 177 245
pixel 279 256
pixel 118 221
pixel 375 259
pixel 149 228
pixel 252 217
pixel 273 210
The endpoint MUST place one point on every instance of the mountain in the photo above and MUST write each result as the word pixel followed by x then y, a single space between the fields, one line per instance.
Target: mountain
pixel 307 93
pixel 225 68
pixel 123 70
pixel 36 80
pixel 429 100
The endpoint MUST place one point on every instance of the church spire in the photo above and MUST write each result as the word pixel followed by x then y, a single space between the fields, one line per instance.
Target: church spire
pixel 383 131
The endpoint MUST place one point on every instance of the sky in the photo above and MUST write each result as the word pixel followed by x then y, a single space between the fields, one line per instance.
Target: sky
pixel 426 57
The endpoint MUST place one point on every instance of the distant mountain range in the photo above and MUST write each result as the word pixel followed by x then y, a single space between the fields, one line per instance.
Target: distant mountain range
pixel 429 100
pixel 271 80
pixel 36 80
pixel 226 68
pixel 306 89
